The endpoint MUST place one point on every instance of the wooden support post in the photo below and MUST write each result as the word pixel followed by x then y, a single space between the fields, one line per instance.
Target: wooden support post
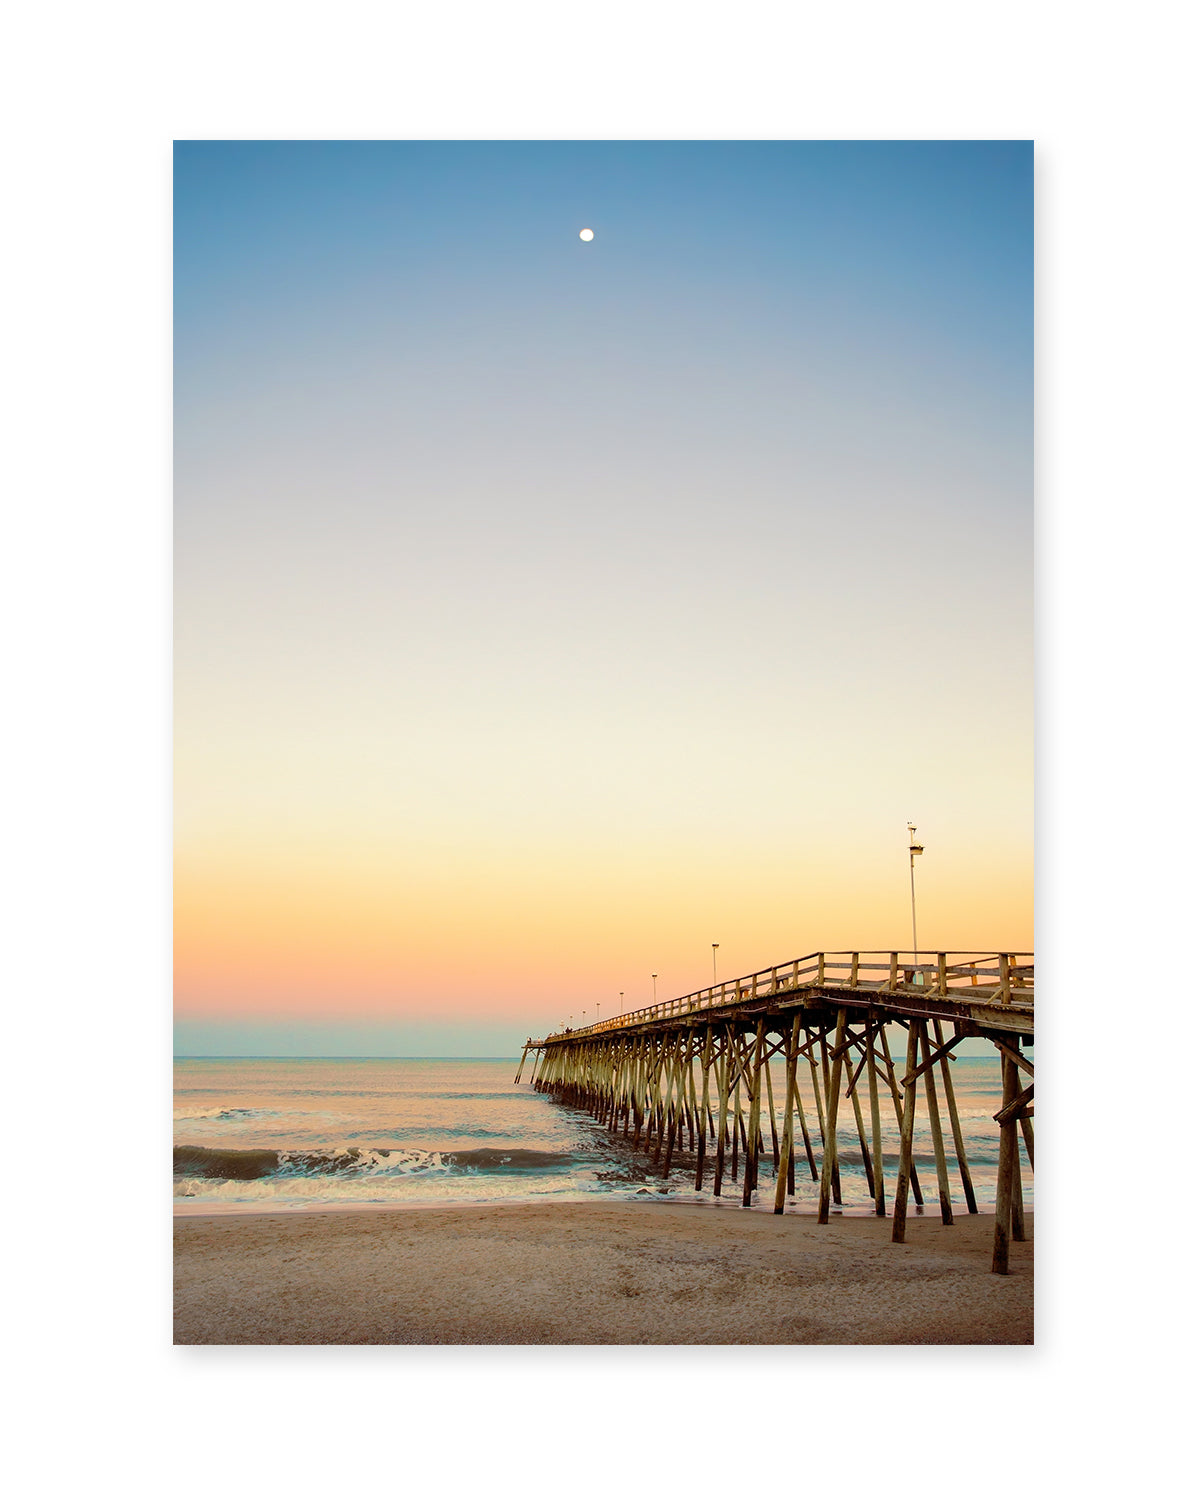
pixel 900 1211
pixel 862 1139
pixel 1004 1173
pixel 1027 1132
pixel 837 1174
pixel 914 1181
pixel 960 1150
pixel 737 1118
pixel 674 1088
pixel 876 1133
pixel 706 1063
pixel 808 1148
pixel 785 1179
pixel 657 1123
pixel 1018 1200
pixel 692 1053
pixel 935 1125
pixel 817 1091
pixel 521 1069
pixel 750 1180
pixel 771 1112
pixel 722 1111
pixel 829 1160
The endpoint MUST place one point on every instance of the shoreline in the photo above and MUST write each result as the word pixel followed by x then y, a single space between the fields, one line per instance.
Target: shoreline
pixel 182 1209
pixel 596 1272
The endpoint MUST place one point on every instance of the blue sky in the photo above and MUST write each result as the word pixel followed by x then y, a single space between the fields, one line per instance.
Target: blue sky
pixel 546 611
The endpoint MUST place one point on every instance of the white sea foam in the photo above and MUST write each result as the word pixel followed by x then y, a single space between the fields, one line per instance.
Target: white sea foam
pixel 395 1187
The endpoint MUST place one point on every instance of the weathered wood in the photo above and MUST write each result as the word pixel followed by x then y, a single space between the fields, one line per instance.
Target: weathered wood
pixel 812 1068
pixel 943 1051
pixel 868 1166
pixel 876 1131
pixel 1013 1055
pixel 771 1111
pixel 674 1086
pixel 703 1134
pixel 737 1124
pixel 1013 1108
pixel 897 1101
pixel 829 1160
pixel 900 1208
pixel 836 1182
pixel 751 1176
pixel 960 1150
pixel 722 1111
pixel 935 1125
pixel 785 1173
pixel 1027 1133
pixel 798 1102
pixel 1018 1199
pixel 1004 1171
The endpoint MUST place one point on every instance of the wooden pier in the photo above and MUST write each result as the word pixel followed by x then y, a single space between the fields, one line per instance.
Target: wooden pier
pixel 692 1075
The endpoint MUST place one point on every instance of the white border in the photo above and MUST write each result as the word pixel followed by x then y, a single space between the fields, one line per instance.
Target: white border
pixel 97 95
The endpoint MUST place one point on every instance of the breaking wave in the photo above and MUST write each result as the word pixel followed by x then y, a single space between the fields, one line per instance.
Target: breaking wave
pixel 227 1164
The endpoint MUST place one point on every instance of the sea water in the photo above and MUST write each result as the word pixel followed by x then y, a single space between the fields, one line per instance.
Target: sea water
pixel 297 1133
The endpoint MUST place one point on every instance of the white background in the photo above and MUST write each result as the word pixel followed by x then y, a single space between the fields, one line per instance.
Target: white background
pixel 93 97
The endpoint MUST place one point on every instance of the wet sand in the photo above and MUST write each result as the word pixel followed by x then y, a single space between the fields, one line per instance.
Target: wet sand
pixel 593 1273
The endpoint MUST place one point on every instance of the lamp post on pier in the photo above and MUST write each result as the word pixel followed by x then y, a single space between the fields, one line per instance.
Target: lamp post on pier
pixel 913 850
pixel 715 946
pixel 654 982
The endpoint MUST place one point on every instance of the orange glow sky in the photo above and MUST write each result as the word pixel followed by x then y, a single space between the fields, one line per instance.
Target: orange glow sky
pixel 547 612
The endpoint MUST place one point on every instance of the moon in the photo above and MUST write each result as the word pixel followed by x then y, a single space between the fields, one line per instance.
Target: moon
pixel 585 234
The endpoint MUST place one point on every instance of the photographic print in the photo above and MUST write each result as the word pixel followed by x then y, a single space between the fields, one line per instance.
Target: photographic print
pixel 603 742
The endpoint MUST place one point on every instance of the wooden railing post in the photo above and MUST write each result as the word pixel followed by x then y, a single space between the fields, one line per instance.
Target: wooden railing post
pixel 820 968
pixel 1005 981
pixel 895 961
pixel 941 974
pixel 854 971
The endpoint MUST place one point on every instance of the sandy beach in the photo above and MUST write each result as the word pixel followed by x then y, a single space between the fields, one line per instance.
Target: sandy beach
pixel 593 1273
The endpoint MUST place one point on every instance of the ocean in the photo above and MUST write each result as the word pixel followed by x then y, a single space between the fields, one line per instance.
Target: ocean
pixel 307 1133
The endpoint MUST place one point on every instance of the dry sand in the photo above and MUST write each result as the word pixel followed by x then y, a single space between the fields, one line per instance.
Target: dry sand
pixel 593 1273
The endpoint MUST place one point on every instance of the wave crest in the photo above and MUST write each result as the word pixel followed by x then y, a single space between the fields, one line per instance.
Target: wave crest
pixel 217 1163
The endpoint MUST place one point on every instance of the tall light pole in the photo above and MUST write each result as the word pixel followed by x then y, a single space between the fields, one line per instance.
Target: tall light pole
pixel 622 1002
pixel 715 946
pixel 913 850
pixel 654 982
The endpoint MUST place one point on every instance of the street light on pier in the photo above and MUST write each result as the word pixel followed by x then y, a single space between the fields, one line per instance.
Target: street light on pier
pixel 913 850
pixel 715 946
pixel 654 982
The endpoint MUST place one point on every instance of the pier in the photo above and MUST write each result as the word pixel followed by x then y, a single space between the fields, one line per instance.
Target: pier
pixel 692 1074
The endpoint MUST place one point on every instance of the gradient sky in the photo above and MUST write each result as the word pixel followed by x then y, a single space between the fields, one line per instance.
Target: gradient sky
pixel 548 611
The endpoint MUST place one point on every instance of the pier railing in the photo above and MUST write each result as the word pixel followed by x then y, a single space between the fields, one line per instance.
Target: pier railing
pixel 993 978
